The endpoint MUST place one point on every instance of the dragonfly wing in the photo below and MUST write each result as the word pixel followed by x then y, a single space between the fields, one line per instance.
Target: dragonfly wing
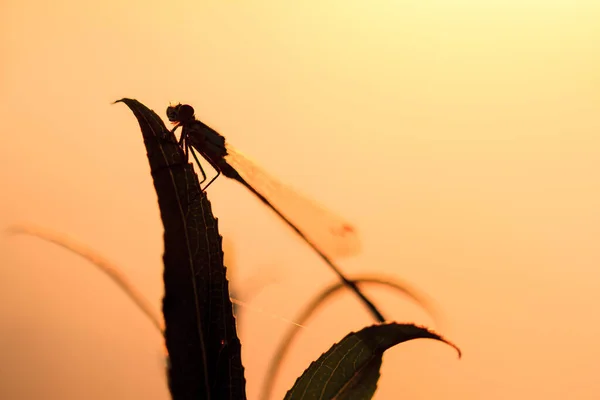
pixel 333 235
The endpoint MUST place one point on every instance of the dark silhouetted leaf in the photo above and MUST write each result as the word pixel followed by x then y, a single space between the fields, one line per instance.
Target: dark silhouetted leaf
pixel 200 332
pixel 318 301
pixel 350 369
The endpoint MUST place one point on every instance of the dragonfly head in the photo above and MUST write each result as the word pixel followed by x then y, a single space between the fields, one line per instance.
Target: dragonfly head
pixel 180 113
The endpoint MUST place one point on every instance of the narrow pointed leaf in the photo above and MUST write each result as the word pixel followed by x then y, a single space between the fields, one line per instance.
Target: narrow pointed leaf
pixel 200 332
pixel 114 273
pixel 350 369
pixel 317 302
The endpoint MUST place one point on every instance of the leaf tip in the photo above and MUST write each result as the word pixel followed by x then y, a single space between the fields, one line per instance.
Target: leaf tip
pixel 455 347
pixel 444 340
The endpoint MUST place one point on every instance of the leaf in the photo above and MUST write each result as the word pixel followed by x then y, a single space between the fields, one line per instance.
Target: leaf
pixel 115 273
pixel 112 271
pixel 318 301
pixel 200 331
pixel 350 369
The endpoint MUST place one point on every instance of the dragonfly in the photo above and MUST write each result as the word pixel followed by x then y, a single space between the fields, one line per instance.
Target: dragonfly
pixel 328 234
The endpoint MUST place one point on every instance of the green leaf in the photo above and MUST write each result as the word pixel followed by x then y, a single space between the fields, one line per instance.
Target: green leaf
pixel 350 369
pixel 200 332
pixel 318 301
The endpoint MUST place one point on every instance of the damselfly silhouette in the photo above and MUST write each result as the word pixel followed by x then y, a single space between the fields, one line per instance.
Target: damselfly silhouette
pixel 329 235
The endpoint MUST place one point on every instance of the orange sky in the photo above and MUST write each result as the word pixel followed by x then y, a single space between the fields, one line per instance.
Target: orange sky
pixel 462 139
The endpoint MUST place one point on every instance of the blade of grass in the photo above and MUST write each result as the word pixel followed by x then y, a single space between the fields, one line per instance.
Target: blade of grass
pixel 251 287
pixel 104 265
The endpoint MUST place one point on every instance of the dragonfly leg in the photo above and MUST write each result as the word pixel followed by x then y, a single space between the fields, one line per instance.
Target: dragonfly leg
pixel 186 150
pixel 212 180
pixel 183 143
pixel 197 162
pixel 172 132
pixel 215 177
pixel 181 138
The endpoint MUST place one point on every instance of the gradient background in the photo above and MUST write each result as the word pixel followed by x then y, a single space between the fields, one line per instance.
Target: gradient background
pixel 461 137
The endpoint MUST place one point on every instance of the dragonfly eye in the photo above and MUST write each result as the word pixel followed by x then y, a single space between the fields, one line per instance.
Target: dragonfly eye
pixel 186 113
pixel 173 113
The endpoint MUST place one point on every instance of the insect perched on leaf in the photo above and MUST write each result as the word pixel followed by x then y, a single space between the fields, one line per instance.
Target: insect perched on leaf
pixel 328 234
